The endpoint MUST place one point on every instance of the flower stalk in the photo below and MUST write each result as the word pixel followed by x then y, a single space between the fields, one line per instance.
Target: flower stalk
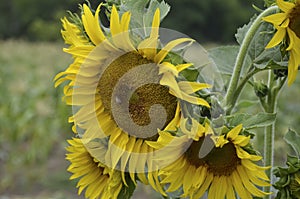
pixel 232 89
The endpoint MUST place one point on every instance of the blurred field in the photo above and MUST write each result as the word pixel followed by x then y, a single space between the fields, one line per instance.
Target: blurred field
pixel 33 123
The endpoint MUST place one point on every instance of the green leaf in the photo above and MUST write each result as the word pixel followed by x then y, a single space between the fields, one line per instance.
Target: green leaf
pixel 257 51
pixel 127 191
pixel 293 139
pixel 224 58
pixel 251 121
pixel 241 32
pixel 246 103
pixel 190 74
pixel 142 16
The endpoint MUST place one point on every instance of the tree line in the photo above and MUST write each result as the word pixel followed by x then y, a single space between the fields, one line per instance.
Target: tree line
pixel 204 20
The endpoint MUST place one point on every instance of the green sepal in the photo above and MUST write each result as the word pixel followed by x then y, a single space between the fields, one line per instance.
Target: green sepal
pixel 127 191
pixel 190 74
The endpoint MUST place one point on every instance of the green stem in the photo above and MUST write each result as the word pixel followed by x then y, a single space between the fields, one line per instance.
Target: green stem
pixel 244 81
pixel 270 130
pixel 241 58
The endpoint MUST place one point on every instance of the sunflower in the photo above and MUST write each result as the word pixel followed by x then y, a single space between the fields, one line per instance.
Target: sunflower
pixel 216 164
pixel 123 90
pixel 287 23
pixel 98 180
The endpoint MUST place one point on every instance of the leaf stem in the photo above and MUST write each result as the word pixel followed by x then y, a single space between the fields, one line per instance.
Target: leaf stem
pixel 231 92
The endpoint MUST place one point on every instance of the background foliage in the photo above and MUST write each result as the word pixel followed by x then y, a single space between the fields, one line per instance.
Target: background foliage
pixel 213 20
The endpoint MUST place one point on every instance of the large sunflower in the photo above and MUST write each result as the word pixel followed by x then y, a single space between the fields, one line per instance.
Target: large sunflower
pixel 216 164
pixel 98 180
pixel 287 23
pixel 115 83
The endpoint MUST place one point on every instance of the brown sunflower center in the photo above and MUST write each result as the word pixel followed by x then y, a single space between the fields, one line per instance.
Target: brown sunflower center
pixel 219 161
pixel 130 91
pixel 295 19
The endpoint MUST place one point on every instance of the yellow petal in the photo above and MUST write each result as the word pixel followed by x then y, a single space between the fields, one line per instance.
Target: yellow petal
pixel 134 159
pixel 230 192
pixel 147 48
pixel 125 157
pixel 192 87
pixel 168 67
pixel 241 140
pixel 115 22
pixel 91 24
pixel 293 38
pixel 169 80
pixel 277 18
pixel 233 133
pixel 155 24
pixel 221 141
pixel 182 67
pixel 285 6
pixel 175 121
pixel 190 98
pixel 277 38
pixel 239 187
pixel 292 67
pixel 209 178
pixel 166 49
pixel 248 185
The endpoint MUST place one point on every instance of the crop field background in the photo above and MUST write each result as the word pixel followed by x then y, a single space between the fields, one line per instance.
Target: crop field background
pixel 34 128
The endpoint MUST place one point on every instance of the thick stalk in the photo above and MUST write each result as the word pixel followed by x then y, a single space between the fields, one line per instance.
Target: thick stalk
pixel 270 130
pixel 231 92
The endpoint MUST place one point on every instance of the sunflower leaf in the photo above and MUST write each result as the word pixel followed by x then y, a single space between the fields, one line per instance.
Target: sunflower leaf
pixel 241 32
pixel 224 58
pixel 251 121
pixel 142 16
pixel 293 139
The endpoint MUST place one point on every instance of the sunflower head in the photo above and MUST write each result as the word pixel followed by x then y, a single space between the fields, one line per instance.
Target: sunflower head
pixel 124 90
pixel 210 162
pixel 294 16
pixel 98 180
pixel 287 24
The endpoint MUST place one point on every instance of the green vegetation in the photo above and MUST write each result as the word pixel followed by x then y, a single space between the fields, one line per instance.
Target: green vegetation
pixel 33 121
pixel 213 20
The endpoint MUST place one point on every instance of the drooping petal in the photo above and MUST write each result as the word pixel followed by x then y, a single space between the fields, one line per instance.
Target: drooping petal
pixel 168 67
pixel 167 48
pixel 169 80
pixel 285 6
pixel 91 24
pixel 192 87
pixel 181 67
pixel 277 38
pixel 115 26
pixel 276 19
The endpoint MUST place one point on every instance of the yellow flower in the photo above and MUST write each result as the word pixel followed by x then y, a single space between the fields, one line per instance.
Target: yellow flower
pixel 287 23
pixel 216 164
pixel 98 180
pixel 115 84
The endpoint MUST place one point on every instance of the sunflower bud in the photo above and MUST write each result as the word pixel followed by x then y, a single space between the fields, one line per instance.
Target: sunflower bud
pixel 260 89
pixel 288 183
